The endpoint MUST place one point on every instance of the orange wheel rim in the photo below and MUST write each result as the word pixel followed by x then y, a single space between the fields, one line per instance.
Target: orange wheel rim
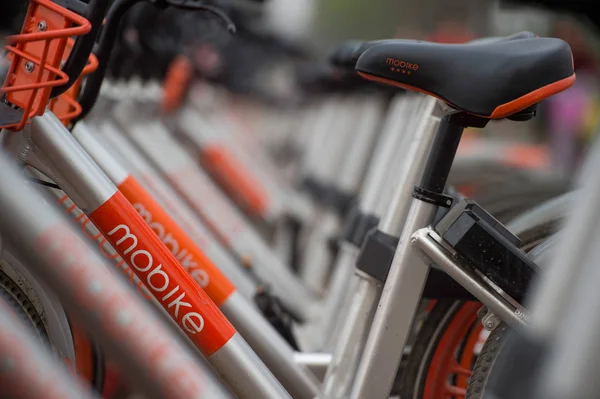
pixel 84 357
pixel 451 364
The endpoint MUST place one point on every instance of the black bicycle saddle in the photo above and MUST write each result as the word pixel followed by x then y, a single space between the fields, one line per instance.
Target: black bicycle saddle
pixel 491 80
pixel 346 55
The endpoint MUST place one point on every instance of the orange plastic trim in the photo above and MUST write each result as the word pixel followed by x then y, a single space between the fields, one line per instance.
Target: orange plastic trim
pixel 533 97
pixel 176 83
pixel 198 265
pixel 172 286
pixel 36 55
pixel 244 188
pixel 501 111
pixel 84 361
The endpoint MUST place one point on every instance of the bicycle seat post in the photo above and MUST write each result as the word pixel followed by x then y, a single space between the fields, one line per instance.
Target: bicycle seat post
pixel 402 291
pixel 514 76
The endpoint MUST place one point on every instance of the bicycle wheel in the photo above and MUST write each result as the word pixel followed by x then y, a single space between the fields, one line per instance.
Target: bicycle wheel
pixel 443 354
pixel 505 192
pixel 485 362
pixel 495 342
pixel 21 304
pixel 44 315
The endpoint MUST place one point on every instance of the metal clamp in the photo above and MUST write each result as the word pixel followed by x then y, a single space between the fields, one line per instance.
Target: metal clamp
pixel 428 242
pixel 489 320
pixel 432 197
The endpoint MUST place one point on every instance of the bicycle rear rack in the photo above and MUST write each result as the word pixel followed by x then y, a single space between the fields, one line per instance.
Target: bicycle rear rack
pixel 482 256
pixel 428 242
pixel 36 56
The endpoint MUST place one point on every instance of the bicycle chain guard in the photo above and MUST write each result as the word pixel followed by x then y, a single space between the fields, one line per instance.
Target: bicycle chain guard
pixel 65 106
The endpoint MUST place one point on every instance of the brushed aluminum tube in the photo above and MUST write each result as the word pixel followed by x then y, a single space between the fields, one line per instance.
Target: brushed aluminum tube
pixel 435 254
pixel 397 307
pixel 254 380
pixel 268 344
pixel 77 174
pixel 341 371
pixel 27 369
pixel 317 363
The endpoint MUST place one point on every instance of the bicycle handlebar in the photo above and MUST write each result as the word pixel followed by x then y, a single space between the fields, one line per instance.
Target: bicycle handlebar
pixel 90 91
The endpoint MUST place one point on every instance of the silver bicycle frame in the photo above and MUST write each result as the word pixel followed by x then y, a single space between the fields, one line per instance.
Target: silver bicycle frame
pixel 380 199
pixel 173 162
pixel 109 137
pixel 27 369
pixel 378 175
pixel 105 251
pixel 367 290
pixel 109 311
pixel 316 264
pixel 47 146
pixel 194 130
pixel 331 140
pixel 262 337
pixel 400 297
pixel 198 125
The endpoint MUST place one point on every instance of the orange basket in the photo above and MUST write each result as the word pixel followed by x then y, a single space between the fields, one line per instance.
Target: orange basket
pixel 35 57
pixel 65 106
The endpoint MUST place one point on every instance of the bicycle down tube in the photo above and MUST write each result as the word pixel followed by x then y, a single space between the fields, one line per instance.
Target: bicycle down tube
pixel 219 214
pixel 182 213
pixel 317 262
pixel 262 337
pixel 250 191
pixel 339 296
pixel 189 306
pixel 109 311
pixel 355 328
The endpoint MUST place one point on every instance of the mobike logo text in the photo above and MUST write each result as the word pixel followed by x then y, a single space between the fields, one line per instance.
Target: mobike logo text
pixel 157 280
pixel 91 232
pixel 176 240
pixel 182 254
pixel 168 282
pixel 402 64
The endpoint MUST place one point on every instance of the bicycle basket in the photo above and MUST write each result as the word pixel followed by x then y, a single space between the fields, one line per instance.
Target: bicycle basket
pixel 65 106
pixel 35 57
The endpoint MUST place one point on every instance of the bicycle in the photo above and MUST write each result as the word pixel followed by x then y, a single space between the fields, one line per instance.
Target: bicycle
pixel 63 151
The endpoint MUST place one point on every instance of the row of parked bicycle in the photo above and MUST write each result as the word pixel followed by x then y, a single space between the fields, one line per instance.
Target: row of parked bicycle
pixel 174 226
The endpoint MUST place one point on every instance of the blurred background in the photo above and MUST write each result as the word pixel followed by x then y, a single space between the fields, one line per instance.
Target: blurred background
pixel 278 65
pixel 556 138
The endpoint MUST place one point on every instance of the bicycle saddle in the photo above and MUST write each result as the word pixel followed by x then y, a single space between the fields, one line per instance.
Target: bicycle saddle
pixel 490 79
pixel 346 55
